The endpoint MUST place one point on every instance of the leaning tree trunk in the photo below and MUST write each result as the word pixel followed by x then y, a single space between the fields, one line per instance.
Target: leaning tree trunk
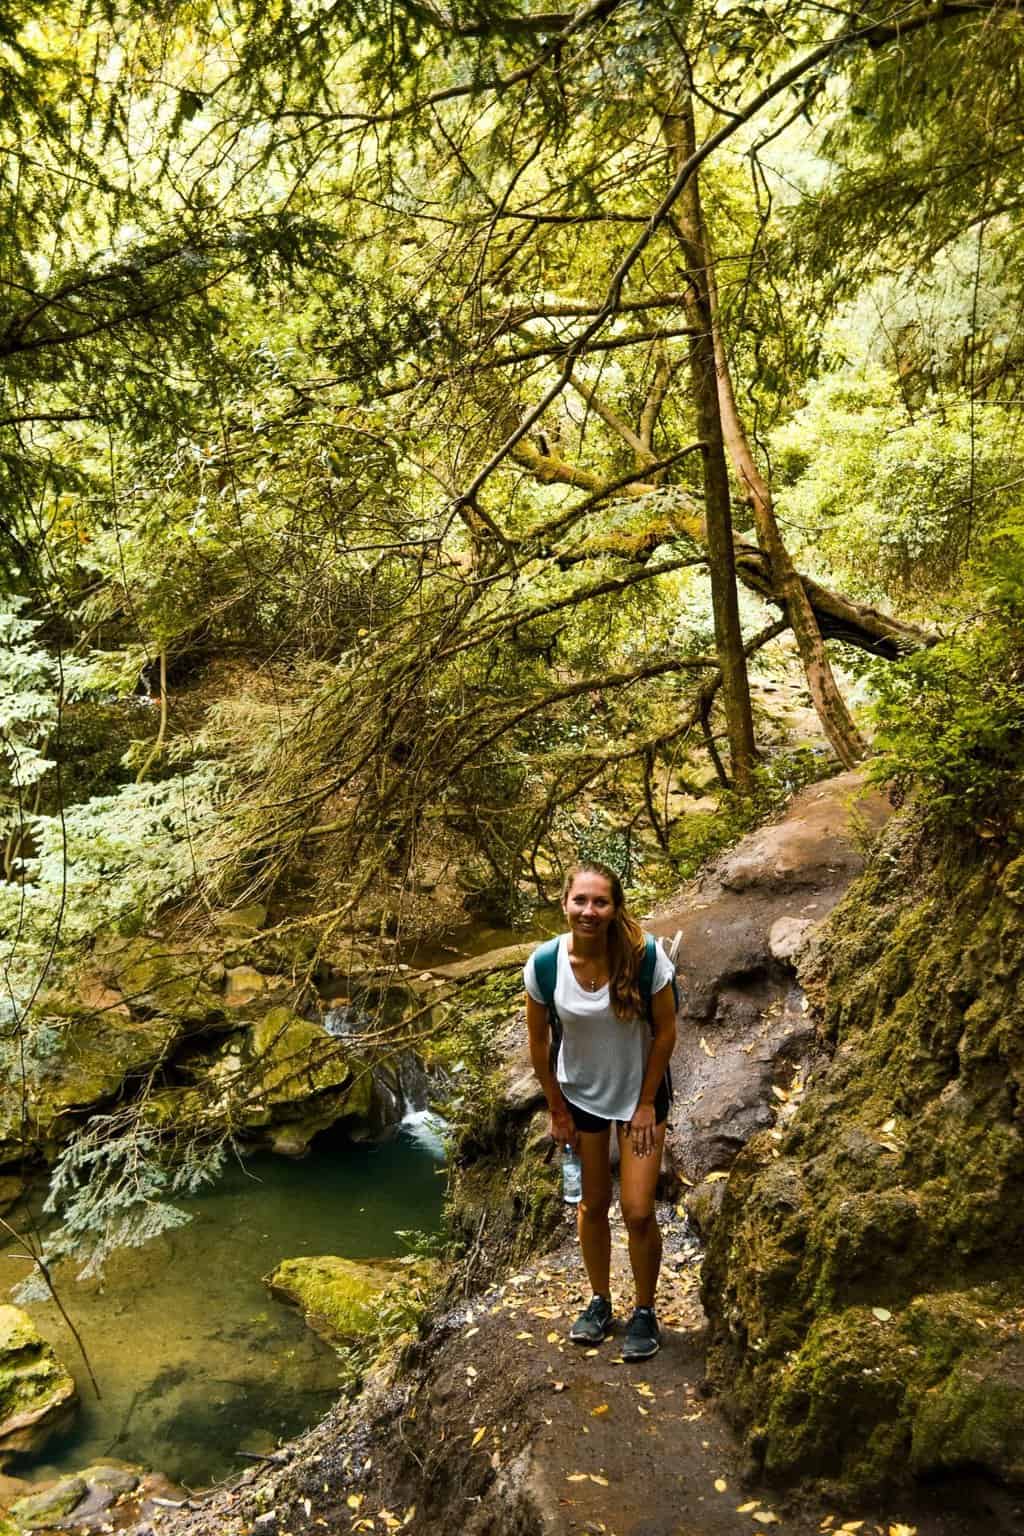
pixel 847 743
pixel 718 516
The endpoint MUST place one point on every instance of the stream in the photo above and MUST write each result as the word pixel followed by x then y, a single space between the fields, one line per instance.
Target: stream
pixel 195 1362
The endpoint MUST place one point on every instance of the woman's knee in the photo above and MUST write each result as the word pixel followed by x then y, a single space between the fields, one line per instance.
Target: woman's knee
pixel 639 1217
pixel 595 1207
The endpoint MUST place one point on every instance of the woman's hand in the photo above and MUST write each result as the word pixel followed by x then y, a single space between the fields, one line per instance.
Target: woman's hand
pixel 562 1128
pixel 641 1130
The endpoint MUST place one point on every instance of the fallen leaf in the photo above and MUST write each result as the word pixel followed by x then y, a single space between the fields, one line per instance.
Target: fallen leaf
pixel 553 1337
pixel 576 1477
pixel 766 1517
pixel 884 1315
pixel 595 1477
pixel 902 1530
pixel 644 1389
pixel 599 1411
pixel 719 1173
pixel 471 1370
pixel 705 1047
pixel 470 1332
pixel 409 1515
pixel 780 1093
pixel 558 1386
pixel 721 1486
pixel 590 1352
pixel 852 1525
pixel 524 1335
pixel 479 1435
pixel 641 1409
pixel 746 1509
pixel 354 1500
pixel 889 1126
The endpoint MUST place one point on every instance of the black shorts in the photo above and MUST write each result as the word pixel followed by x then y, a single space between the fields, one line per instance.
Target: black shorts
pixel 583 1120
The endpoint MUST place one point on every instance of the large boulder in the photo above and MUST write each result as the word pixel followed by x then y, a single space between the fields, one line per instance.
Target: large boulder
pixel 37 1394
pixel 279 1081
pixel 864 1277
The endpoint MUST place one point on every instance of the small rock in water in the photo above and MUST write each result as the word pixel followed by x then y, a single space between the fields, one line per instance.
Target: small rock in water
pixel 42 1509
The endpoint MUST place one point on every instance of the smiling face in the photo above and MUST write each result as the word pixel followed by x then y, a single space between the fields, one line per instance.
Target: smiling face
pixel 589 904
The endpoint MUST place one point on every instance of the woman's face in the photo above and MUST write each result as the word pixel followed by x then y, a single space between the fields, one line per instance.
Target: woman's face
pixel 589 905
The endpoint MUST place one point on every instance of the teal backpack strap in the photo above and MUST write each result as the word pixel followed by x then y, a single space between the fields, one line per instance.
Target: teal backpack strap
pixel 646 979
pixel 647 969
pixel 545 968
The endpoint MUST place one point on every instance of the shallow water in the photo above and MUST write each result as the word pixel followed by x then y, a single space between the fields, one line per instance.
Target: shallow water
pixel 194 1360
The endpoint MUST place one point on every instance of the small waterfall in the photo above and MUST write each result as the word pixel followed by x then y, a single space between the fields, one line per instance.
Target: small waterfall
pixel 420 1123
pixel 344 1019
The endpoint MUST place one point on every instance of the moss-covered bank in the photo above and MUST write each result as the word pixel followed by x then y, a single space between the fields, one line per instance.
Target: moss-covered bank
pixel 865 1279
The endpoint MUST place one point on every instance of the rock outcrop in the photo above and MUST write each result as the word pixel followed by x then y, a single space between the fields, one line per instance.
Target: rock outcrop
pixel 744 1035
pixel 865 1276
pixel 38 1397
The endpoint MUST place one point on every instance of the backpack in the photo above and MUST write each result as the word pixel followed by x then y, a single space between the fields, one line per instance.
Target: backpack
pixel 545 962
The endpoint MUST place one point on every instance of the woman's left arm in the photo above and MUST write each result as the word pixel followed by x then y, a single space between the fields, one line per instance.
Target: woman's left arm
pixel 663 1017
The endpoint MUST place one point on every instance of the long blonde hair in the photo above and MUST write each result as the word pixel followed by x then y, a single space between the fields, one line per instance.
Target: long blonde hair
pixel 625 943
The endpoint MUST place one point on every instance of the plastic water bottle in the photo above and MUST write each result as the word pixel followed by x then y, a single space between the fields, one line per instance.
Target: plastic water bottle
pixel 572 1176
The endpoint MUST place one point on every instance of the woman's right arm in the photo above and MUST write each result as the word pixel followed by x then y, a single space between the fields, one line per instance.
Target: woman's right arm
pixel 539 1028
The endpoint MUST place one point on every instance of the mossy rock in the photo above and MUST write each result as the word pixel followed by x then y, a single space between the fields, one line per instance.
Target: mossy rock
pixel 339 1298
pixel 154 978
pixel 975 1417
pixel 39 1510
pixel 897 1188
pixel 292 1057
pixel 37 1394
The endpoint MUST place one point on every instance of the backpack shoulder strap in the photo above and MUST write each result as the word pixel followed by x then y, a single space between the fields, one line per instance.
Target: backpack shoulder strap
pixel 646 977
pixel 545 968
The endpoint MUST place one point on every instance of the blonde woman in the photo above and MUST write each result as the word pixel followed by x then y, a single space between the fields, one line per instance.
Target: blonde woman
pixel 601 1015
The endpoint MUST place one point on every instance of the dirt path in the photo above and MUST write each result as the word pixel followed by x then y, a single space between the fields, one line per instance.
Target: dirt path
pixel 638 1450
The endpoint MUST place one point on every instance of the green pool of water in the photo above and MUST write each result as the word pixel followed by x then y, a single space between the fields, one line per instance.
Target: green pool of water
pixel 194 1360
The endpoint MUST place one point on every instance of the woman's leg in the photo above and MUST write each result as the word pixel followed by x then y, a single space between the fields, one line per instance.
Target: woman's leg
pixel 592 1211
pixel 638 1177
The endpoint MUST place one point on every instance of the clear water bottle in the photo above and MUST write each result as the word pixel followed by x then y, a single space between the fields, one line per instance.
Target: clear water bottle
pixel 572 1176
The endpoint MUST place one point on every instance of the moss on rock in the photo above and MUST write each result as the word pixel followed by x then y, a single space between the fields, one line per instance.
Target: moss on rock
pixel 340 1298
pixel 866 1269
pixel 37 1394
pixel 38 1510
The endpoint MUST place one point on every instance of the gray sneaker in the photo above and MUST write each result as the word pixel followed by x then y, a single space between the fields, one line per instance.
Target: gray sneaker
pixel 643 1336
pixel 595 1324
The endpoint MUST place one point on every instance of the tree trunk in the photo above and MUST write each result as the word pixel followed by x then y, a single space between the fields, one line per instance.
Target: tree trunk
pixel 718 511
pixel 846 741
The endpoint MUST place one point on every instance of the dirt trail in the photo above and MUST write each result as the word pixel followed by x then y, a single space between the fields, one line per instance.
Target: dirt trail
pixel 631 1450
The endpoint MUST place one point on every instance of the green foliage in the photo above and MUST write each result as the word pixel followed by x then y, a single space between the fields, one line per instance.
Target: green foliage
pixel 111 1191
pixel 700 836
pixel 950 721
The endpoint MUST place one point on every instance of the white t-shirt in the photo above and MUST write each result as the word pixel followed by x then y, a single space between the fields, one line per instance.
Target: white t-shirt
pixel 602 1058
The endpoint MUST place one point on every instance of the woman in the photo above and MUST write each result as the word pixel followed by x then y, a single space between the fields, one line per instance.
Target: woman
pixel 611 1066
